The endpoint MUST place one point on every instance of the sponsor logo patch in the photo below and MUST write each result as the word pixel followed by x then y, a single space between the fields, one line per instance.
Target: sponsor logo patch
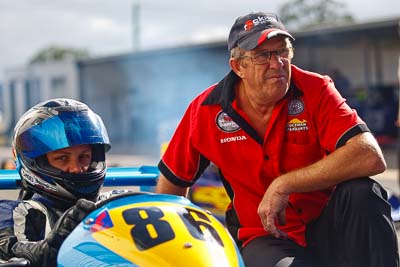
pixel 225 123
pixel 295 106
pixel 233 139
pixel 295 125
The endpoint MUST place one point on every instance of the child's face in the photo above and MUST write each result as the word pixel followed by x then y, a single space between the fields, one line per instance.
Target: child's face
pixel 74 159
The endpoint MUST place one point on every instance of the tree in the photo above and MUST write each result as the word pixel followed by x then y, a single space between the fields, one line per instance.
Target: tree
pixel 57 53
pixel 298 14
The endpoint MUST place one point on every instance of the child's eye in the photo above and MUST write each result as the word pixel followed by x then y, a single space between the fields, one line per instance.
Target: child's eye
pixel 61 158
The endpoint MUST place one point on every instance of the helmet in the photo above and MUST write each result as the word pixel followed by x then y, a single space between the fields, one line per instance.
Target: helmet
pixel 53 125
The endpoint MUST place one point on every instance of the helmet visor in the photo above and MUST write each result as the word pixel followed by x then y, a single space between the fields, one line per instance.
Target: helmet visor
pixel 69 128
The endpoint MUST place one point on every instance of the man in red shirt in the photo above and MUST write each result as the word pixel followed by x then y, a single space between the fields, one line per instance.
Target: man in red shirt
pixel 294 158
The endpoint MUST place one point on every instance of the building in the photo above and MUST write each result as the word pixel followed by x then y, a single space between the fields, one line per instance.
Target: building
pixel 141 96
pixel 363 59
pixel 26 86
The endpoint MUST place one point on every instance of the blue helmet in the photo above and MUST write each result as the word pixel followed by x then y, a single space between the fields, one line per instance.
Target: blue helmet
pixel 52 125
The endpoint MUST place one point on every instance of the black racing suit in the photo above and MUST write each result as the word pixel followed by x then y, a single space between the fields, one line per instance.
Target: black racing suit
pixel 26 220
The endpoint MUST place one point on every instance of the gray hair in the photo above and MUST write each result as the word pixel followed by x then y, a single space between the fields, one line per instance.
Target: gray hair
pixel 237 52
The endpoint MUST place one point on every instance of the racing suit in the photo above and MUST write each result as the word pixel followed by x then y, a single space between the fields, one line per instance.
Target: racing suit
pixel 32 220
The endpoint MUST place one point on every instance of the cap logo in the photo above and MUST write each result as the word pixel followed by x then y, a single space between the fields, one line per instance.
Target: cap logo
pixel 249 24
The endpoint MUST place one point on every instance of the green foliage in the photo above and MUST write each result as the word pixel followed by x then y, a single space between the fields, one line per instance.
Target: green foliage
pixel 300 14
pixel 57 53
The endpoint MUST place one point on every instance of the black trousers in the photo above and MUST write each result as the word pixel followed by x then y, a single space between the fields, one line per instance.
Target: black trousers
pixel 355 229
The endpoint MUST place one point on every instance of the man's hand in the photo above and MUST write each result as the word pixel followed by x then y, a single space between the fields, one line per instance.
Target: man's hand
pixel 44 253
pixel 272 210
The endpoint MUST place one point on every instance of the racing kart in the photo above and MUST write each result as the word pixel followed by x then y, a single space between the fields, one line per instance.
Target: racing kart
pixel 143 229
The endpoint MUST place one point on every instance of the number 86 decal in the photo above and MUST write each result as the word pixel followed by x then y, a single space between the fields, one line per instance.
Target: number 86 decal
pixel 149 229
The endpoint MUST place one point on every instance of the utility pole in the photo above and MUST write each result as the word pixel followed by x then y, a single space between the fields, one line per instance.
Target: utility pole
pixel 398 128
pixel 135 25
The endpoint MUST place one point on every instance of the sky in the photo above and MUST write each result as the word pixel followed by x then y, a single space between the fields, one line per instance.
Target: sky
pixel 104 27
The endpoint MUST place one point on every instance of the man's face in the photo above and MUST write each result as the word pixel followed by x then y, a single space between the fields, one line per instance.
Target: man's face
pixel 267 67
pixel 75 159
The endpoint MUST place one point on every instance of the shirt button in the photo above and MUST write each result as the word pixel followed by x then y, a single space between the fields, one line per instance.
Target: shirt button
pixel 266 157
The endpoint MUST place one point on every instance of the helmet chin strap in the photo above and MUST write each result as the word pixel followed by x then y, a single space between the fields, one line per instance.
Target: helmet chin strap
pixel 25 193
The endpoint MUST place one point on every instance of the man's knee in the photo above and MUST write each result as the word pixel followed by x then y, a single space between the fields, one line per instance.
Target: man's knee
pixel 362 194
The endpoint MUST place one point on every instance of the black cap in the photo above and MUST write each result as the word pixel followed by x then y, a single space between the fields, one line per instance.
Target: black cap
pixel 252 29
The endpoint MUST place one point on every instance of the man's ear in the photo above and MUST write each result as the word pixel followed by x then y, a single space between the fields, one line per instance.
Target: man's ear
pixel 236 67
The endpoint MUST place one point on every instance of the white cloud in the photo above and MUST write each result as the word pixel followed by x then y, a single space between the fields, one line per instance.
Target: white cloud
pixel 215 33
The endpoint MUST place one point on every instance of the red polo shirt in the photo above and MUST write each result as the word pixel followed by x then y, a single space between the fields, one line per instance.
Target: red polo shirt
pixel 311 121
